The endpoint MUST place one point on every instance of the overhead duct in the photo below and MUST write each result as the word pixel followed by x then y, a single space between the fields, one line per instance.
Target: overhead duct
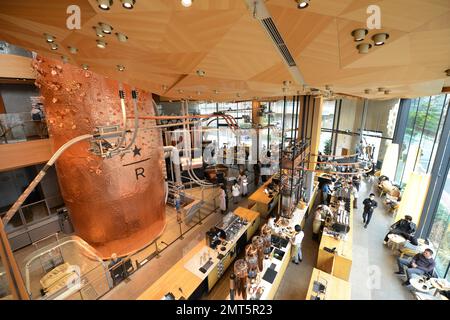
pixel 260 12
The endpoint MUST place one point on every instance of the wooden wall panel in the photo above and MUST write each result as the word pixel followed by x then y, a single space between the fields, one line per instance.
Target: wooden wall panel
pixel 22 154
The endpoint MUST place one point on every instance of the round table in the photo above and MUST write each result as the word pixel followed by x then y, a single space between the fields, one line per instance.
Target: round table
pixel 418 283
pixel 395 241
pixel 440 284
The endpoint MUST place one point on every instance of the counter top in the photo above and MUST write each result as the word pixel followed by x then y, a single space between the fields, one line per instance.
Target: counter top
pixel 181 274
pixel 336 289
pixel 260 196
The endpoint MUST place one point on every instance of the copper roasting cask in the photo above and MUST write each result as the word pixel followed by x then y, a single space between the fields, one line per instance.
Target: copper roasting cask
pixel 117 204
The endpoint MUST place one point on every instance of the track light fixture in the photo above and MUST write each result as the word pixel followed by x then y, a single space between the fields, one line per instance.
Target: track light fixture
pixel 49 38
pixel 359 34
pixel 302 4
pixel 120 67
pixel 85 66
pixel 98 32
pixel 101 44
pixel 128 4
pixel 53 46
pixel 104 4
pixel 121 37
pixel 72 50
pixel 106 28
pixel 201 73
pixel 380 38
pixel 186 3
pixel 363 47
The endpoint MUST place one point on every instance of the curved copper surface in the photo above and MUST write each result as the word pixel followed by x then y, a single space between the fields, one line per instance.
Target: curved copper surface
pixel 116 205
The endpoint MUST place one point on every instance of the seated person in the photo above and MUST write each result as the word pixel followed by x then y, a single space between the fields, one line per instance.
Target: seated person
pixel 420 264
pixel 404 227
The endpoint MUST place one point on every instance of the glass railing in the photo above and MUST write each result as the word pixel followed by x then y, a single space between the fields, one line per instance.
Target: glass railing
pixel 20 127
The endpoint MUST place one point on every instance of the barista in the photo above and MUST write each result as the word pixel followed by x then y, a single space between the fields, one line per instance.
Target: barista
pixel 319 218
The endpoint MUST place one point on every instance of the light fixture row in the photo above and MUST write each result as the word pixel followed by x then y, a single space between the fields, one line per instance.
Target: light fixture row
pixel 380 89
pixel 107 4
pixel 103 29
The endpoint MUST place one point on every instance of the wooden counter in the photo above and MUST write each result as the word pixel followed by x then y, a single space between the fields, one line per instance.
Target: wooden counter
pixel 336 289
pixel 263 202
pixel 180 277
pixel 338 264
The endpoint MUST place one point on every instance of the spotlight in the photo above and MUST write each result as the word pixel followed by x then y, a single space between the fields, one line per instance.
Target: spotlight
pixel 216 92
pixel 128 4
pixel 98 32
pixel 286 83
pixel 121 37
pixel 381 89
pixel 363 47
pixel 72 50
pixel 367 91
pixel 380 38
pixel 199 93
pixel 120 67
pixel 302 4
pixel 238 95
pixel 387 91
pixel 359 34
pixel 53 46
pixel 106 28
pixel 101 44
pixel 180 91
pixel 327 87
pixel 49 38
pixel 85 66
pixel 200 73
pixel 104 4
pixel 447 72
pixel 186 3
pixel 164 87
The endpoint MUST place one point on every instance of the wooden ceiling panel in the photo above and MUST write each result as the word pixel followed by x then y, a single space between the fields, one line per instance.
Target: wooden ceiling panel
pixel 323 7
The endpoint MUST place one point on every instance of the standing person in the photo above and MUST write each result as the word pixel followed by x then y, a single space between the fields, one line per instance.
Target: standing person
pixel 223 199
pixel 271 222
pixel 257 172
pixel 356 182
pixel 297 242
pixel 244 185
pixel 354 192
pixel 326 192
pixel 236 192
pixel 319 218
pixel 369 205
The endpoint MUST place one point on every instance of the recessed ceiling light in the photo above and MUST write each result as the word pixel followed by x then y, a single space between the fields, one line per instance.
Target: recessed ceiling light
pixel 359 34
pixel 447 72
pixel 201 73
pixel 72 50
pixel 164 87
pixel 216 92
pixel 199 93
pixel 106 28
pixel 302 4
pixel 238 95
pixel 98 32
pixel 64 59
pixel 363 47
pixel 387 91
pixel 286 83
pixel 101 44
pixel 53 46
pixel 381 89
pixel 180 91
pixel 104 4
pixel 380 38
pixel 120 67
pixel 49 38
pixel 128 4
pixel 366 91
pixel 327 87
pixel 186 3
pixel 85 66
pixel 121 37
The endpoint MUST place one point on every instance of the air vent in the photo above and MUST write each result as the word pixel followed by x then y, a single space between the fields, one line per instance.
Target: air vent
pixel 278 40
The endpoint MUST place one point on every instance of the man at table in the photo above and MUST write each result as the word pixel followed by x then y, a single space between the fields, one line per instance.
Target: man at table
pixel 420 264
pixel 403 227
pixel 297 242
pixel 369 205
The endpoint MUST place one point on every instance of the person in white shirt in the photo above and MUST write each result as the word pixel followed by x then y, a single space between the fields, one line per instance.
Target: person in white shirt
pixel 271 223
pixel 244 185
pixel 236 192
pixel 297 242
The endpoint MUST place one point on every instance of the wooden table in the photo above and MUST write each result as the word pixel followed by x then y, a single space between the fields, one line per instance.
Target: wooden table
pixel 179 277
pixel 336 289
pixel 264 203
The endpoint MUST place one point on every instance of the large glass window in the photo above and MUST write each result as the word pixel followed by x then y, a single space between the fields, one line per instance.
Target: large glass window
pixel 440 232
pixel 423 130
